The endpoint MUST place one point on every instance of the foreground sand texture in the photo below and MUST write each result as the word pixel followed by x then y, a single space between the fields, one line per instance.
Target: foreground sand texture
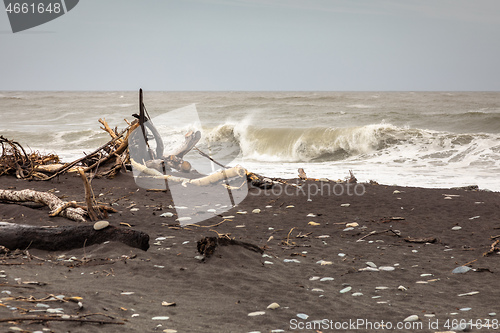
pixel 304 268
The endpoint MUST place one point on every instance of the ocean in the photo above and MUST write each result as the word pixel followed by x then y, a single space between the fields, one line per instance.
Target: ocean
pixel 425 139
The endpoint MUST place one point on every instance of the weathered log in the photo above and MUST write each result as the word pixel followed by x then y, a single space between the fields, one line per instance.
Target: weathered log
pixel 233 172
pixel 48 199
pixel 21 236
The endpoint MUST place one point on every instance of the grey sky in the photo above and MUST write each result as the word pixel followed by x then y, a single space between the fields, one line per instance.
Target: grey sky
pixel 338 45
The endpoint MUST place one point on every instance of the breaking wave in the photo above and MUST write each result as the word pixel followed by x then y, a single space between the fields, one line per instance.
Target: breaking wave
pixel 321 144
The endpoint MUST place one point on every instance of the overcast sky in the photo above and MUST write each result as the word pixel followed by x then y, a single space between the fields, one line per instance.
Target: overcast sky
pixel 258 45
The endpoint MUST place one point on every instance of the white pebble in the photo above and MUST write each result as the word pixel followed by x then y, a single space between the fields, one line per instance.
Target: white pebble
pixel 167 214
pixel 345 290
pixel 273 306
pixel 101 225
pixel 256 313
pixel 386 268
pixel 456 228
pixel 326 279
pixel 160 318
pixel 411 318
pixel 256 211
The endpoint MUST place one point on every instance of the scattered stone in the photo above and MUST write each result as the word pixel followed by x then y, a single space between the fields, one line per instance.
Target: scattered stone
pixel 273 306
pixel 211 210
pixel 323 236
pixel 256 313
pixel 324 262
pixel 169 330
pixel 348 229
pixel 182 219
pixel 268 263
pixel 241 213
pixel 345 205
pixel 160 318
pixel 326 279
pixel 291 260
pixel 317 290
pixel 447 198
pixel 461 270
pixel 412 318
pixel 357 294
pixel 228 217
pixel 425 274
pixel 353 224
pixel 199 257
pixel 41 305
pixel 492 314
pixel 290 206
pixel 345 290
pixel 134 209
pixel 268 206
pixel 396 192
pixel 101 225
pixel 313 223
pixel 265 255
pixel 386 268
pixel 311 215
pixel 127 293
pixel 465 309
pixel 381 288
pixel 402 288
pixel 422 282
pixel 314 278
pixel 342 255
pixel 371 264
pixel 474 217
pixel 167 214
pixel 302 316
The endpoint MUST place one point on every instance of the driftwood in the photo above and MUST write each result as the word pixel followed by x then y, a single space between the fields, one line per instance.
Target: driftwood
pixel 233 172
pixel 43 318
pixel 20 236
pixel 89 198
pixel 48 199
pixel 207 245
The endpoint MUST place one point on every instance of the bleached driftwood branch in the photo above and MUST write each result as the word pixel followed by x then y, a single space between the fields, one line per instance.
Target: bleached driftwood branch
pixel 48 199
pixel 233 172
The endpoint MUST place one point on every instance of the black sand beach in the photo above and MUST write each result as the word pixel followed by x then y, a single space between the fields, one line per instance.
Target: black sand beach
pixel 409 230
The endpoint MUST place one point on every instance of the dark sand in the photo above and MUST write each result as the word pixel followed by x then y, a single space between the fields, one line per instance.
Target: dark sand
pixel 216 295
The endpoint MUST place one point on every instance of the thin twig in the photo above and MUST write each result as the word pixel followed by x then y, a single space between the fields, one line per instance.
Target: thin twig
pixel 47 318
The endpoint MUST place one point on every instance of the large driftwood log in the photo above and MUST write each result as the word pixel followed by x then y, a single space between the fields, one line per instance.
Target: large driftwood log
pixel 21 236
pixel 48 199
pixel 233 172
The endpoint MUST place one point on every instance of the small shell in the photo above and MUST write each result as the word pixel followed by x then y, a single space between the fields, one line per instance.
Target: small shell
pixel 101 225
